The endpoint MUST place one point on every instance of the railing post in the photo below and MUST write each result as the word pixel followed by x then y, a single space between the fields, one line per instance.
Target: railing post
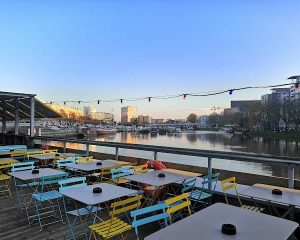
pixel 87 149
pixel 117 153
pixel 65 147
pixel 154 158
pixel 209 172
pixel 291 176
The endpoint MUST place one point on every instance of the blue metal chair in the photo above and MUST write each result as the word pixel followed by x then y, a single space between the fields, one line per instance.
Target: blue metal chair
pixel 65 163
pixel 156 213
pixel 188 185
pixel 21 188
pixel 118 174
pixel 78 213
pixel 48 202
pixel 204 194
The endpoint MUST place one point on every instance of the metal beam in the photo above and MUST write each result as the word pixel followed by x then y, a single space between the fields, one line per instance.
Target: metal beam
pixel 17 117
pixel 32 111
pixel 4 117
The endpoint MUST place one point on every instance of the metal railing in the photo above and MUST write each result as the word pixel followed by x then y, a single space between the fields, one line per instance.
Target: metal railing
pixel 288 162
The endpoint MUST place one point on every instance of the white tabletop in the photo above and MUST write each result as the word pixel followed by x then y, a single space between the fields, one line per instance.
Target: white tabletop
pixel 49 156
pixel 152 178
pixel 92 166
pixel 207 224
pixel 109 192
pixel 287 197
pixel 27 175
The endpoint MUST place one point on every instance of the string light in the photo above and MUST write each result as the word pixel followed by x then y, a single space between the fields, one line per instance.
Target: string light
pixel 296 84
pixel 65 103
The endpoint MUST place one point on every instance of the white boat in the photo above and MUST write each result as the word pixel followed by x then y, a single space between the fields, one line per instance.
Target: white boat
pixel 101 131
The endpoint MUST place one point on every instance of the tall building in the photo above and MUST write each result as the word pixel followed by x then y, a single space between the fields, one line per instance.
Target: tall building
pixel 128 114
pixel 276 96
pixel 143 119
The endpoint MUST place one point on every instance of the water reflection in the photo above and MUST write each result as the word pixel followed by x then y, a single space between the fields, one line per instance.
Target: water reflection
pixel 208 141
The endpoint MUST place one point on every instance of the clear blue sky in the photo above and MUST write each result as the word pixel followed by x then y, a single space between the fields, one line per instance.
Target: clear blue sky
pixel 92 49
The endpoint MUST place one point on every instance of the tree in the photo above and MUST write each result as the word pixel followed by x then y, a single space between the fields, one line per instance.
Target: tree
pixel 192 118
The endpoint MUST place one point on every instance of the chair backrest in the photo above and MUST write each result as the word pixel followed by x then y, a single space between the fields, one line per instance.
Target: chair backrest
pixel 177 204
pixel 50 151
pixel 156 213
pixel 188 185
pixel 5 165
pixel 120 172
pixel 18 153
pixel 15 167
pixel 72 183
pixel 32 153
pixel 84 159
pixel 126 205
pixel 51 180
pixel 227 184
pixel 63 163
pixel 140 169
pixel 13 147
pixel 213 180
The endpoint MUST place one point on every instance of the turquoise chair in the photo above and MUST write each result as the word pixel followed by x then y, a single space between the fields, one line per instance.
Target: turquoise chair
pixel 118 174
pixel 204 194
pixel 188 185
pixel 65 162
pixel 48 202
pixel 77 214
pixel 139 218
pixel 21 188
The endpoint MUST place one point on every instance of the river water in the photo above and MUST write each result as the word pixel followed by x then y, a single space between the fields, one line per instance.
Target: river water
pixel 209 141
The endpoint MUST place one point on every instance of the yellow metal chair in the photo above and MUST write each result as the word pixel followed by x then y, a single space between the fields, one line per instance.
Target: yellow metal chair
pixel 32 153
pixel 49 151
pixel 115 226
pixel 4 185
pixel 230 183
pixel 18 154
pixel 177 205
pixel 140 169
pixel 87 159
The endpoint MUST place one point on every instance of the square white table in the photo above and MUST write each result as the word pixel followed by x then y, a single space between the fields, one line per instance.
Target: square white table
pixel 288 197
pixel 86 196
pixel 207 224
pixel 152 178
pixel 28 175
pixel 51 156
pixel 92 166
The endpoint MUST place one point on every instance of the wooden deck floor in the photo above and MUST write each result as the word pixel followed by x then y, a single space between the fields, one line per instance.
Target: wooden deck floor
pixel 14 225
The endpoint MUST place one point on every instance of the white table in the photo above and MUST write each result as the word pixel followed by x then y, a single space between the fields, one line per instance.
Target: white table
pixel 28 175
pixel 289 198
pixel 207 224
pixel 92 166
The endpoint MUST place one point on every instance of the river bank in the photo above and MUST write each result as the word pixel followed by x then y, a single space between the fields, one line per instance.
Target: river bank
pixel 287 136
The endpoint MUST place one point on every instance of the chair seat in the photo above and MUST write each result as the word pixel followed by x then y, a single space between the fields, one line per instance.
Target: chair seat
pixel 4 177
pixel 118 227
pixel 47 196
pixel 252 208
pixel 84 211
pixel 121 181
pixel 32 184
pixel 199 195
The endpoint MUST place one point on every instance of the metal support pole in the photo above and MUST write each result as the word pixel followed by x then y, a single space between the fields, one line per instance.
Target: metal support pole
pixel 291 176
pixel 117 153
pixel 17 117
pixel 4 117
pixel 32 111
pixel 65 147
pixel 87 149
pixel 209 172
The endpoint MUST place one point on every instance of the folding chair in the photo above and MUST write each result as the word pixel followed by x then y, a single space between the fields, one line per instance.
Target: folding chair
pixel 230 183
pixel 204 195
pixel 4 185
pixel 78 219
pixel 49 151
pixel 87 159
pixel 178 204
pixel 118 174
pixel 47 200
pixel 116 226
pixel 21 189
pixel 19 154
pixel 154 216
pixel 140 169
